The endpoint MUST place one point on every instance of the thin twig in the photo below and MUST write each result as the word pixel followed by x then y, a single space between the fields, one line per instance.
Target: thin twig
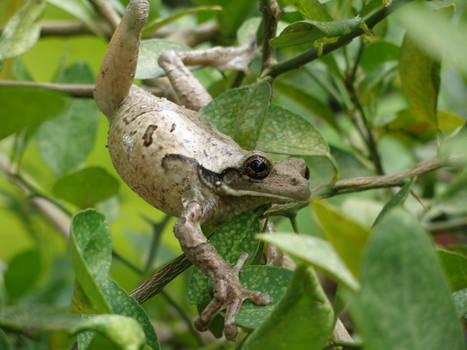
pixel 271 13
pixel 108 12
pixel 448 225
pixel 313 53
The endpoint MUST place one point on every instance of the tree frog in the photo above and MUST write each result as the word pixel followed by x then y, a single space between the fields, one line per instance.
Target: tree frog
pixel 178 162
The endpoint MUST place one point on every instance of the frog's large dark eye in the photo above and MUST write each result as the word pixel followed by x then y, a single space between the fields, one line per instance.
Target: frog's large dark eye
pixel 257 167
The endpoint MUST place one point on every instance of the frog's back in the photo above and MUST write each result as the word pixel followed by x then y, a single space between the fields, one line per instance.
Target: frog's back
pixel 145 129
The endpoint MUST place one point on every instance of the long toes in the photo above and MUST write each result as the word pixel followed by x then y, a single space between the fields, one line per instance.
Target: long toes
pixel 240 262
pixel 230 331
pixel 202 321
pixel 259 298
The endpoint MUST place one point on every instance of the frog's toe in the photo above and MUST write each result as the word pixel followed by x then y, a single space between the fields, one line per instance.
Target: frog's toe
pixel 259 298
pixel 202 321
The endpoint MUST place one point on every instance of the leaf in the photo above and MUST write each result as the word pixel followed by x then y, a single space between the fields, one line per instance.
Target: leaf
pixel 247 30
pixel 23 273
pixel 308 101
pixel 347 236
pixel 80 10
pixel 455 268
pixel 420 79
pixel 160 22
pixel 312 9
pixel 313 251
pixel 303 316
pixel 123 331
pixel 22 30
pixel 308 31
pixel 3 341
pixel 86 187
pixel 284 132
pixel 377 53
pixel 401 282
pixel 16 115
pixel 233 15
pixel 397 200
pixel 266 279
pixel 149 52
pixel 231 240
pixel 460 302
pixel 91 255
pixel 240 113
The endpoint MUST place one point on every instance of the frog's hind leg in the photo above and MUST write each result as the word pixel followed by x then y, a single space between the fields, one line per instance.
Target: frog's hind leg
pixel 188 89
pixel 119 65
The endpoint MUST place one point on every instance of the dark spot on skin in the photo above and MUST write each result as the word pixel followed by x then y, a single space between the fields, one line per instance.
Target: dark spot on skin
pixel 147 137
pixel 293 182
pixel 172 128
pixel 133 133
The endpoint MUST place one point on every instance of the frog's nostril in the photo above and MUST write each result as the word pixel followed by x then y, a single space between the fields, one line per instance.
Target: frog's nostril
pixel 307 173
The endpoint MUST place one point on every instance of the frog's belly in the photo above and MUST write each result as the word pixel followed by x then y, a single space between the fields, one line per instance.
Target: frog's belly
pixel 138 145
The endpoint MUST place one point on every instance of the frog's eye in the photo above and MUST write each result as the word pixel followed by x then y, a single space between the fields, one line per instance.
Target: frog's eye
pixel 257 167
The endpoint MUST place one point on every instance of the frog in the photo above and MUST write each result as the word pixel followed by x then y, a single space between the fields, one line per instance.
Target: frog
pixel 178 162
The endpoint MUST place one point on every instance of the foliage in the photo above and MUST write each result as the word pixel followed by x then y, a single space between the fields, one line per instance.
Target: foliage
pixel 358 89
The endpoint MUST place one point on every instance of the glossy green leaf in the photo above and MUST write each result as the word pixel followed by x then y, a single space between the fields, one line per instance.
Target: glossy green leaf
pixel 36 318
pixel 419 74
pixel 455 268
pixel 124 332
pixel 80 10
pixel 240 113
pixel 86 187
pixel 16 115
pixel 312 9
pixel 287 133
pixel 347 236
pixel 22 30
pixel 460 302
pixel 307 31
pixel 90 250
pixel 303 316
pixel 231 240
pixel 377 53
pixel 22 273
pixel 308 101
pixel 313 251
pixel 397 200
pixel 149 52
pixel 401 281
pixel 266 279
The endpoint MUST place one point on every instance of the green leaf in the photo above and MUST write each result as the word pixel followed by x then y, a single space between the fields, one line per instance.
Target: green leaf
pixel 22 30
pixel 247 30
pixel 287 133
pixel 266 279
pixel 149 52
pixel 397 200
pixel 460 302
pixel 3 341
pixel 234 14
pixel 312 9
pixel 86 187
pixel 240 113
pixel 303 316
pixel 308 31
pixel 377 53
pixel 455 268
pixel 160 22
pixel 231 240
pixel 420 79
pixel 91 255
pixel 65 142
pixel 36 318
pixel 124 332
pixel 23 273
pixel 347 236
pixel 16 115
pixel 80 10
pixel 313 251
pixel 404 302
pixel 310 102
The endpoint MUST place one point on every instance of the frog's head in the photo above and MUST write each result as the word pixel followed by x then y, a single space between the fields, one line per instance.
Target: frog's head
pixel 257 175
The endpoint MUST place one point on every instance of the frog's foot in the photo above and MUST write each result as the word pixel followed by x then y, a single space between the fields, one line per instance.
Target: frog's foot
pixel 229 294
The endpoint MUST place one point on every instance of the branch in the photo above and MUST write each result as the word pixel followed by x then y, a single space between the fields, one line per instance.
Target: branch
pixel 271 14
pixel 108 12
pixel 313 53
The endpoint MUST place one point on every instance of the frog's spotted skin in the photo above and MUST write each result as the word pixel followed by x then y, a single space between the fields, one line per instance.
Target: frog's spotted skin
pixel 178 162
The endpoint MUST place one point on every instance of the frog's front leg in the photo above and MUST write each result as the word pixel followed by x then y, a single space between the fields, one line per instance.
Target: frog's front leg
pixel 228 291
pixel 188 89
